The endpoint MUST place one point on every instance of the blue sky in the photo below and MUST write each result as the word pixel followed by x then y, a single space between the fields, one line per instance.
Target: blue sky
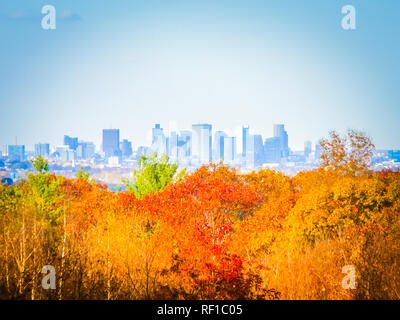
pixel 130 64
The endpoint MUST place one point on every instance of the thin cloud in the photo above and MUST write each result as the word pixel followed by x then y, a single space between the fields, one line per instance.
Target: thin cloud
pixel 69 16
pixel 66 15
pixel 22 15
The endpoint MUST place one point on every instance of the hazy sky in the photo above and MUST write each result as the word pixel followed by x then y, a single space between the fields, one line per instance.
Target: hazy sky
pixel 130 64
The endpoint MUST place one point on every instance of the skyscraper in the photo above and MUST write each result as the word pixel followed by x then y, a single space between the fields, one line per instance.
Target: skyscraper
pixel 202 142
pixel 156 131
pixel 65 153
pixel 185 144
pixel 72 143
pixel 126 148
pixel 229 145
pixel 173 146
pixel 245 138
pixel 259 157
pixel 85 150
pixel 218 148
pixel 279 132
pixel 272 150
pixel 159 141
pixel 111 142
pixel 42 149
pixel 16 152
pixel 255 151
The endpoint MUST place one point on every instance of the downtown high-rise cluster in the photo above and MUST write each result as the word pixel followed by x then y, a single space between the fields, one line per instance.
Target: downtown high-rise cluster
pixel 200 146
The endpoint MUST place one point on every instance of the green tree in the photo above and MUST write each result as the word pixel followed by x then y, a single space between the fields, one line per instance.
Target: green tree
pixel 43 199
pixel 41 165
pixel 153 174
pixel 82 174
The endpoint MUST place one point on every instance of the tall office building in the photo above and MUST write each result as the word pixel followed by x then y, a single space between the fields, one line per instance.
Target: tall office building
pixel 255 151
pixel 42 149
pixel 229 145
pixel 159 141
pixel 16 152
pixel 218 148
pixel 156 131
pixel 126 148
pixel 173 146
pixel 85 150
pixel 72 143
pixel 111 142
pixel 272 150
pixel 65 153
pixel 185 144
pixel 279 132
pixel 259 157
pixel 245 139
pixel 202 142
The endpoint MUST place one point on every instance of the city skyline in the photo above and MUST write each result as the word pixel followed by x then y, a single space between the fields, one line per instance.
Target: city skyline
pixel 238 132
pixel 129 63
pixel 75 139
pixel 202 144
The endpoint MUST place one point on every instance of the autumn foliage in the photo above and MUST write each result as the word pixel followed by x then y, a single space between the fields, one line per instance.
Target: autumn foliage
pixel 214 234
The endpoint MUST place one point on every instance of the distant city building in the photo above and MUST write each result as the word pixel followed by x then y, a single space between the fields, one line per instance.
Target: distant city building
pixel 272 150
pixel 245 138
pixel 126 148
pixel 111 142
pixel 16 152
pixel 85 150
pixel 218 148
pixel 229 145
pixel 279 132
pixel 173 149
pixel 185 144
pixel 255 151
pixel 72 143
pixel 202 142
pixel 394 155
pixel 159 141
pixel 42 149
pixel 65 153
